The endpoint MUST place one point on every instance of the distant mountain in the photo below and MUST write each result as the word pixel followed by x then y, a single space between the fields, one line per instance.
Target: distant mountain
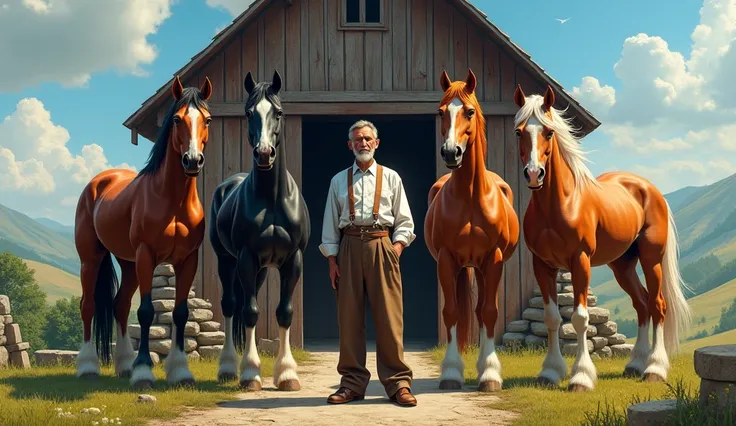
pixel 31 240
pixel 56 226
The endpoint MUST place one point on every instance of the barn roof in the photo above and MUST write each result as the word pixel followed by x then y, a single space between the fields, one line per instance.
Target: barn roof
pixel 221 39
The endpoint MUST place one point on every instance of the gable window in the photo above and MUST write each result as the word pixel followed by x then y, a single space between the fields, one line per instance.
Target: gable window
pixel 363 15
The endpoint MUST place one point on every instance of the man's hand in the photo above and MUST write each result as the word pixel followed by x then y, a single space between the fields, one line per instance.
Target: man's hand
pixel 334 271
pixel 398 247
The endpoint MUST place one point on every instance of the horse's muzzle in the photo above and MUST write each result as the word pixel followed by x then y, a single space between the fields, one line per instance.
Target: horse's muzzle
pixel 192 164
pixel 534 177
pixel 453 157
pixel 264 157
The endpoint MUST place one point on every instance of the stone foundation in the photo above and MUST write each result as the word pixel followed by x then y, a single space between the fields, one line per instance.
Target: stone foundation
pixel 13 350
pixel 716 367
pixel 603 337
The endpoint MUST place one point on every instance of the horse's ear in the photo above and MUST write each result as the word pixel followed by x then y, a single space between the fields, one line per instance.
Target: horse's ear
pixel 470 82
pixel 249 84
pixel 276 82
pixel 549 98
pixel 445 81
pixel 519 97
pixel 206 89
pixel 176 88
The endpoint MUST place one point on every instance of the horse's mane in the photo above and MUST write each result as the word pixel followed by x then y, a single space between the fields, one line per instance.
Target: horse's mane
pixel 457 90
pixel 568 142
pixel 190 96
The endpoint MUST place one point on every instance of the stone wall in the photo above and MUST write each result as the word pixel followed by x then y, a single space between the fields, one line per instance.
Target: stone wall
pixel 13 350
pixel 202 336
pixel 603 337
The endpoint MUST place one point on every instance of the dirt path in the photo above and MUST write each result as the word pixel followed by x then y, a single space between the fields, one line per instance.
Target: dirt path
pixel 319 379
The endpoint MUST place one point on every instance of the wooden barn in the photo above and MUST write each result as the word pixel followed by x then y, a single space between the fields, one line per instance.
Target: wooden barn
pixel 342 60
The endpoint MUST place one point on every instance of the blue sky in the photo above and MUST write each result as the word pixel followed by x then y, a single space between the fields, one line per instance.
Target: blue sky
pixel 579 48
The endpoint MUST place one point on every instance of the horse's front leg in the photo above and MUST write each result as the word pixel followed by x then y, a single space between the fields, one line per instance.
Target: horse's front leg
pixel 228 361
pixel 177 365
pixel 452 366
pixel 554 367
pixel 284 368
pixel 489 366
pixel 142 376
pixel 251 278
pixel 583 370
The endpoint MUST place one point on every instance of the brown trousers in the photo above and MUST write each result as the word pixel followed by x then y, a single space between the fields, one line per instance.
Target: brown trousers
pixel 370 268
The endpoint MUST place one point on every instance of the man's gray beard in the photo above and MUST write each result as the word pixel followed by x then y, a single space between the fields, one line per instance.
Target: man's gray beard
pixel 364 157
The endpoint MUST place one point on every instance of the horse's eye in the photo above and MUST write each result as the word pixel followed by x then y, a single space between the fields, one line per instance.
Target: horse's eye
pixel 518 132
pixel 279 113
pixel 208 121
pixel 549 134
pixel 440 112
pixel 248 113
pixel 471 112
pixel 177 120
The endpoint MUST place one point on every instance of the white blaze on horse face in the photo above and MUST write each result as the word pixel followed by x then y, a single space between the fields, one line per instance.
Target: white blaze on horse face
pixel 454 108
pixel 194 115
pixel 533 128
pixel 265 144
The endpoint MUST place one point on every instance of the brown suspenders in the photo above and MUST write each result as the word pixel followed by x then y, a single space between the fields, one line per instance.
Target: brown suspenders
pixel 376 197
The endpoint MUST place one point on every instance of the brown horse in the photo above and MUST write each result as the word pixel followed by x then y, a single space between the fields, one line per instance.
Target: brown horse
pixel 143 220
pixel 470 225
pixel 575 221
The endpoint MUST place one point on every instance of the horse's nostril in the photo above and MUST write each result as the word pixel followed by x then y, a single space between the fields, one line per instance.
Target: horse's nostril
pixel 458 152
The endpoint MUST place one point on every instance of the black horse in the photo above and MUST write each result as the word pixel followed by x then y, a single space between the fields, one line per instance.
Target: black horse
pixel 259 220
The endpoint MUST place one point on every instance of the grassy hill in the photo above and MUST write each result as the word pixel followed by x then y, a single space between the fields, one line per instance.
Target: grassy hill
pixel 56 283
pixel 66 230
pixel 29 239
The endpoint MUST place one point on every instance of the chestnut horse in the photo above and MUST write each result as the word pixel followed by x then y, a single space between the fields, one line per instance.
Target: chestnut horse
pixel 575 221
pixel 470 225
pixel 143 220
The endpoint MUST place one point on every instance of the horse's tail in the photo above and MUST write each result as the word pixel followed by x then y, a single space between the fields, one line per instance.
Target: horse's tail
pixel 105 289
pixel 678 314
pixel 464 307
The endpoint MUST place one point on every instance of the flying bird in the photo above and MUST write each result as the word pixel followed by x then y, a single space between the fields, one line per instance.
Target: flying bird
pixel 562 21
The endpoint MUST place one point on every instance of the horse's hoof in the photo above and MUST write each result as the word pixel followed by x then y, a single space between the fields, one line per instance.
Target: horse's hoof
pixel 450 384
pixel 577 388
pixel 226 377
pixel 632 372
pixel 250 385
pixel 652 378
pixel 545 382
pixel 142 384
pixel 489 386
pixel 289 385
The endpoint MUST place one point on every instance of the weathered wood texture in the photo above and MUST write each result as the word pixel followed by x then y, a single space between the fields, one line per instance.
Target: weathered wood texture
pixel 424 38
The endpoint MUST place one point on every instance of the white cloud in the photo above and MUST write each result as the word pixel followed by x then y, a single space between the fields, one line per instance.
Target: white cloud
pixel 677 115
pixel 38 173
pixel 70 40
pixel 234 7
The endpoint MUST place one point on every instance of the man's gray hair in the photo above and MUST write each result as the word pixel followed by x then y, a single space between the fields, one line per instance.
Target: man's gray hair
pixel 362 123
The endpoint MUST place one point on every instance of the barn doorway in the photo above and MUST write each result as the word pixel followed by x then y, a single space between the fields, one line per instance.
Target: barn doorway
pixel 324 153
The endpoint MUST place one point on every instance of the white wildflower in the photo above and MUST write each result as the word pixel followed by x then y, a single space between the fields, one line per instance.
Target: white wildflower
pixel 104 420
pixel 94 410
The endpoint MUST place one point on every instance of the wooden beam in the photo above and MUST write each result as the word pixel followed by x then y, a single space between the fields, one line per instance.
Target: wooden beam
pixel 134 136
pixel 360 96
pixel 354 108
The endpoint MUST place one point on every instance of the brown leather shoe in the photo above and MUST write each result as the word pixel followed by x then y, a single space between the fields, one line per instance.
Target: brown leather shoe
pixel 404 397
pixel 344 395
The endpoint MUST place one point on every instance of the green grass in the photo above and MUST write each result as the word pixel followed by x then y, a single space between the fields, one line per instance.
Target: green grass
pixel 32 396
pixel 537 406
pixel 57 284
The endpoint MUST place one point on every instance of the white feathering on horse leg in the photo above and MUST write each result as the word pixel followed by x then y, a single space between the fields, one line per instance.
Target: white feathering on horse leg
pixel 658 363
pixel 176 364
pixel 554 367
pixel 250 365
pixel 284 367
pixel 87 361
pixel 480 364
pixel 452 365
pixel 228 357
pixel 491 365
pixel 583 369
pixel 141 373
pixel 641 350
pixel 124 353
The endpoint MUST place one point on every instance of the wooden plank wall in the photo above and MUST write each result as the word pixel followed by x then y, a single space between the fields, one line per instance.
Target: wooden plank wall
pixel 426 37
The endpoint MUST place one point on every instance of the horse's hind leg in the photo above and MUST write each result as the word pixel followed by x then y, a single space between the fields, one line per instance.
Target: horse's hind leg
pixel 624 270
pixel 489 366
pixel 124 354
pixel 87 360
pixel 284 368
pixel 228 362
pixel 452 366
pixel 554 367
pixel 650 256
pixel 251 278
pixel 177 365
